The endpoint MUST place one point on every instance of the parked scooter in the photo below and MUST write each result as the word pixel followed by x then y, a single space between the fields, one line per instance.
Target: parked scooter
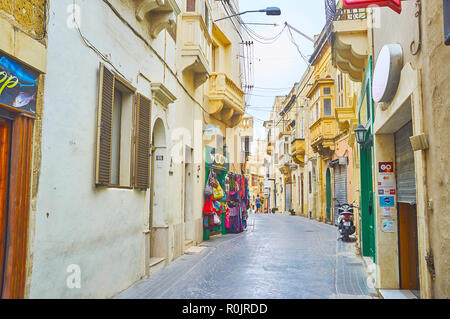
pixel 345 222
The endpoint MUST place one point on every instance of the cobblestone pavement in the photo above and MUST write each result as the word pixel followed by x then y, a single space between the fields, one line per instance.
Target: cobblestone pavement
pixel 279 257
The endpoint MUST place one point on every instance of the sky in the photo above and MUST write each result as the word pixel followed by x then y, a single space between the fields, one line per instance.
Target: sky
pixel 278 66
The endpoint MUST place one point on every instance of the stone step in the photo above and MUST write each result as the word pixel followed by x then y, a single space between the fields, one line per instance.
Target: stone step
pixel 188 244
pixel 157 264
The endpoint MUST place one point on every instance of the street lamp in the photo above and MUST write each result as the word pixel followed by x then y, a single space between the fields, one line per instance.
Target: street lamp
pixel 270 11
pixel 360 134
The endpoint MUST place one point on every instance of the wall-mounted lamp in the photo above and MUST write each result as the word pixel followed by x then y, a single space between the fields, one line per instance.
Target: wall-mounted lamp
pixel 361 133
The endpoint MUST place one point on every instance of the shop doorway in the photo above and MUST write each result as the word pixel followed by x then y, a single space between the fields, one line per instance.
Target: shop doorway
pixel 288 197
pixel 367 203
pixel 340 189
pixel 302 198
pixel 158 219
pixel 407 215
pixel 5 146
pixel 188 195
pixel 328 194
pixel 16 131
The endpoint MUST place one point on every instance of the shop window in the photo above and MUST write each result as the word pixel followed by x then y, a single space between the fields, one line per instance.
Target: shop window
pixel 327 107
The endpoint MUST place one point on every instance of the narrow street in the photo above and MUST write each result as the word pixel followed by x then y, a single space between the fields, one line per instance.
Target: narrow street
pixel 279 257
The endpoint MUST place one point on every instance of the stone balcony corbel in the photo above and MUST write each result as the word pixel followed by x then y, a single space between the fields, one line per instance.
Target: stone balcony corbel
pixel 161 14
pixel 162 95
pixel 350 46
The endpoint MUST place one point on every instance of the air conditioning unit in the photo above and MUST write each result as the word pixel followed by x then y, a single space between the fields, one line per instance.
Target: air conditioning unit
pixel 343 161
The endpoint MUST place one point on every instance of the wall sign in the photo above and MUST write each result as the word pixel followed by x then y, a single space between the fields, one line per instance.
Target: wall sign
pixel 388 226
pixel 386 76
pixel 216 160
pixel 395 5
pixel 18 85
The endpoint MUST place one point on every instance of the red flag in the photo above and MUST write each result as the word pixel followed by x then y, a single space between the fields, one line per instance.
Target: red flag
pixel 395 5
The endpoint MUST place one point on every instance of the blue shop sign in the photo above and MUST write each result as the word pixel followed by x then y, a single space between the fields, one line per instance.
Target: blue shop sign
pixel 18 85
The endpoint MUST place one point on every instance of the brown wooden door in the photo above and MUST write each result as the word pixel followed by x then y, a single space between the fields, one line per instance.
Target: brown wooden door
pixel 18 200
pixel 408 247
pixel 5 145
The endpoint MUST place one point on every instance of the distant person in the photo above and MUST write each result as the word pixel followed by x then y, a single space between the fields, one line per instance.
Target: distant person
pixel 258 204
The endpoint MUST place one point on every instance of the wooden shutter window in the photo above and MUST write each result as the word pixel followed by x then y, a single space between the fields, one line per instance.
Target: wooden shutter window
pixel 190 5
pixel 142 153
pixel 104 126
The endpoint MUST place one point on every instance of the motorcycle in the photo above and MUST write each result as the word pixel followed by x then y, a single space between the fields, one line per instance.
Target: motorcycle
pixel 345 222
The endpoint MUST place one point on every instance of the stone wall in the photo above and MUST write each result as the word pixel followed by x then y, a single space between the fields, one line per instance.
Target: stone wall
pixel 436 116
pixel 27 15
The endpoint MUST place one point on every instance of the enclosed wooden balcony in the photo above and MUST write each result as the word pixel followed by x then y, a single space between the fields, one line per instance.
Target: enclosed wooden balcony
pixel 323 133
pixel 269 148
pixel 298 150
pixel 195 42
pixel 226 99
pixel 350 46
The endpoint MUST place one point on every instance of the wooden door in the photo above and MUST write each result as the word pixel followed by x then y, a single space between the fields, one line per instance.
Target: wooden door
pixel 5 145
pixel 18 200
pixel 408 247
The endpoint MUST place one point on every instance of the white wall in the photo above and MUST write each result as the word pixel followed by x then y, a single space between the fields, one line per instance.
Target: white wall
pixel 99 229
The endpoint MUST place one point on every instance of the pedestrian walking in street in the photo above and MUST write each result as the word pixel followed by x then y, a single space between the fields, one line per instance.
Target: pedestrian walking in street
pixel 258 204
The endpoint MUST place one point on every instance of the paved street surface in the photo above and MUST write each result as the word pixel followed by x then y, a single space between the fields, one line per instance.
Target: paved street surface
pixel 280 256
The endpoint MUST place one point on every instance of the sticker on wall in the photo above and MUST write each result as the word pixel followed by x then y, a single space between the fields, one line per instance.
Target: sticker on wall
pixel 387 201
pixel 18 85
pixel 387 212
pixel 388 226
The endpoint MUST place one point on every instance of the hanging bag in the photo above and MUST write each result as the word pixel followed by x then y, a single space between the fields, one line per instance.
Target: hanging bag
pixel 218 192
pixel 208 209
pixel 217 220
pixel 208 187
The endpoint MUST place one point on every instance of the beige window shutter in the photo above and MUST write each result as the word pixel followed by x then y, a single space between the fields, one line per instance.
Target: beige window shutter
pixel 104 126
pixel 143 133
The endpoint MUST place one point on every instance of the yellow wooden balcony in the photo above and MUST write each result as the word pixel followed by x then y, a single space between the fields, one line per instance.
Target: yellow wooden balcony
pixel 298 150
pixel 350 46
pixel 226 99
pixel 195 42
pixel 322 135
pixel 269 148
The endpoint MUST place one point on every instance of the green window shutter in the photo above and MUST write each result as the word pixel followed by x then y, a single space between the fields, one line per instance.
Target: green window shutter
pixel 142 151
pixel 104 126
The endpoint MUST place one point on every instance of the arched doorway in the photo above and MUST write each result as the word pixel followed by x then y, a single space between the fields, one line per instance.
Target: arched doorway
pixel 158 216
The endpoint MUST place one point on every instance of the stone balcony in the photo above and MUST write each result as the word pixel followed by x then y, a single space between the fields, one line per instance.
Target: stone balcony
pixel 161 14
pixel 195 42
pixel 350 46
pixel 226 99
pixel 346 118
pixel 323 133
pixel 298 150
pixel 285 165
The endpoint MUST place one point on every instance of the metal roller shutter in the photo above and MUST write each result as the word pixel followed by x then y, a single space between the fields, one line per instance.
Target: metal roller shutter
pixel 340 188
pixel 404 157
